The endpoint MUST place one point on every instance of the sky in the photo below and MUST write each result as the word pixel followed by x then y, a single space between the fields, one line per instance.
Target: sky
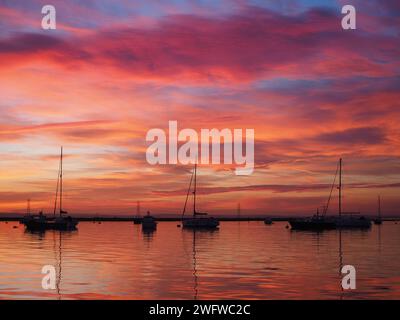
pixel 113 70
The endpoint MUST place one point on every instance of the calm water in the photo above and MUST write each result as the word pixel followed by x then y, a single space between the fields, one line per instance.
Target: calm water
pixel 247 260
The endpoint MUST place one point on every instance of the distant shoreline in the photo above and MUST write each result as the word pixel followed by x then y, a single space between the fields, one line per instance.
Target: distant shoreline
pixel 128 219
pixel 177 219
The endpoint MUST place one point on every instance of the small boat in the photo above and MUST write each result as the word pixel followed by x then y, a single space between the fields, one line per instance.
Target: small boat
pixel 149 222
pixel 268 221
pixel 378 220
pixel 41 223
pixel 199 220
pixel 63 222
pixel 35 222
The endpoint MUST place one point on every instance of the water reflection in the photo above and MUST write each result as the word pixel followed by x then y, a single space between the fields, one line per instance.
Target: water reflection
pixel 198 236
pixel 59 264
pixel 36 234
pixel 379 237
pixel 57 244
pixel 148 235
pixel 195 287
pixel 340 262
pixel 239 261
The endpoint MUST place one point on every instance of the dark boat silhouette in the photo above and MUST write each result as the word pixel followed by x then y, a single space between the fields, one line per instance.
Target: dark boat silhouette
pixel 316 222
pixel 149 222
pixel 64 222
pixel 343 220
pixel 199 220
pixel 268 221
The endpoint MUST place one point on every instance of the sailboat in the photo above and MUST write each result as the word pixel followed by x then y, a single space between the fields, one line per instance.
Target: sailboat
pixel 61 222
pixel 351 220
pixel 317 222
pixel 378 220
pixel 343 220
pixel 199 220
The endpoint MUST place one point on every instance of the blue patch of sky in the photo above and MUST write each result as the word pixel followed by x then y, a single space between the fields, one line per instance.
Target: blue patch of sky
pixel 154 9
pixel 122 10
pixel 290 84
pixel 295 6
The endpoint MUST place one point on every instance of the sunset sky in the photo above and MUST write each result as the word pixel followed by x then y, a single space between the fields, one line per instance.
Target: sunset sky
pixel 113 70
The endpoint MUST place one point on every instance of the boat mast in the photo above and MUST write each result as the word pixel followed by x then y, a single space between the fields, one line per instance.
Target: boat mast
pixel 340 187
pixel 28 208
pixel 188 193
pixel 379 207
pixel 58 184
pixel 332 187
pixel 194 190
pixel 61 176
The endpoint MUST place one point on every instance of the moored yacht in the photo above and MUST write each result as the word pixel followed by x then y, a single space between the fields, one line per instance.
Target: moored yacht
pixel 349 220
pixel 35 222
pixel 316 222
pixel 323 222
pixel 149 222
pixel 63 222
pixel 199 220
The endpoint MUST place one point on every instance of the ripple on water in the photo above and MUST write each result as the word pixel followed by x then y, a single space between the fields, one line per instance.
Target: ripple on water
pixel 246 260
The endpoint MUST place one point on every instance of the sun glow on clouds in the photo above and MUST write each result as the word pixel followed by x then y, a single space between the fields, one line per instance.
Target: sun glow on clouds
pixel 311 91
